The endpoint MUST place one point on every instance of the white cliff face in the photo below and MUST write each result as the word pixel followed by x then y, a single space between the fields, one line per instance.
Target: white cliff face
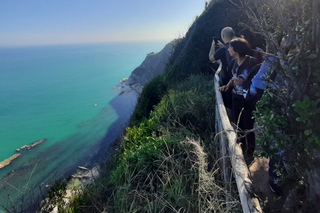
pixel 153 65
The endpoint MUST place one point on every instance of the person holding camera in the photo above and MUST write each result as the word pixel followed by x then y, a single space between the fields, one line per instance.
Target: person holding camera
pixel 223 56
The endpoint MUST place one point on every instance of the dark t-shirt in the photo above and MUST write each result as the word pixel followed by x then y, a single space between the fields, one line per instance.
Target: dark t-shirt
pixel 224 56
pixel 242 71
pixel 225 75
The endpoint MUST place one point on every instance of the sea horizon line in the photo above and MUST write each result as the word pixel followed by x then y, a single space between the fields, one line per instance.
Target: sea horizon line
pixel 81 43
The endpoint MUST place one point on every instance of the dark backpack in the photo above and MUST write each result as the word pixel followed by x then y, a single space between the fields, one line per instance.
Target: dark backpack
pixel 253 71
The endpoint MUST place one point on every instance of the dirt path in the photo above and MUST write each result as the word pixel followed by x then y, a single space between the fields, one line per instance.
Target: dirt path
pixel 260 179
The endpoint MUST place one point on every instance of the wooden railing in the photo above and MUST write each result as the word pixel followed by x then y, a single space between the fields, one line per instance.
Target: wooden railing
pixel 232 160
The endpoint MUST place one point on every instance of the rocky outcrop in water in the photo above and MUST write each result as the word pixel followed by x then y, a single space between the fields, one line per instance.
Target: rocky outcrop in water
pixel 8 161
pixel 31 146
pixel 153 65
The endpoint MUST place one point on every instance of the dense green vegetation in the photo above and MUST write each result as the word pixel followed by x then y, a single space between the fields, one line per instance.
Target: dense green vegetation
pixel 167 159
pixel 289 116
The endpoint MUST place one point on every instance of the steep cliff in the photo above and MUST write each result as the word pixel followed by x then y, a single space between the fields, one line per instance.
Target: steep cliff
pixel 153 66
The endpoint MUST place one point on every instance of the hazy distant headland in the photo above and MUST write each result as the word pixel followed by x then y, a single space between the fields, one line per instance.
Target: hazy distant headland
pixel 153 66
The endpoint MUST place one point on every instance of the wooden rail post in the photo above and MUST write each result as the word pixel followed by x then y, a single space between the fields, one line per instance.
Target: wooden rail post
pixel 230 149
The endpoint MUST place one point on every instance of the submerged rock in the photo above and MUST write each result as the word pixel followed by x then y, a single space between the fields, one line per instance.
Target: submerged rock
pixel 33 145
pixel 8 161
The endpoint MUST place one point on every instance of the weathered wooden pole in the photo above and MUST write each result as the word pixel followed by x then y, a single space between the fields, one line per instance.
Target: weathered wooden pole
pixel 229 148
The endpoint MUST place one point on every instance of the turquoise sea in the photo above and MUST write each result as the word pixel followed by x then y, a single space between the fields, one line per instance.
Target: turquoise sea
pixel 63 93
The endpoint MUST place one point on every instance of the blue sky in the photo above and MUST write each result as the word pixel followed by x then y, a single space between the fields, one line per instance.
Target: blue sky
pixel 36 22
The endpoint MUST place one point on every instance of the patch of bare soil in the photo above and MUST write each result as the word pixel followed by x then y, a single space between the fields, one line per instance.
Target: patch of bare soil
pixel 260 179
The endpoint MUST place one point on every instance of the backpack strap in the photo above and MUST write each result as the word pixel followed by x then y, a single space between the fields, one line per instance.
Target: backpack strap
pixel 253 71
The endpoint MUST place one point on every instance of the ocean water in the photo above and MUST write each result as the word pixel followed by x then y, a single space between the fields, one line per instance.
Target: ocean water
pixel 63 93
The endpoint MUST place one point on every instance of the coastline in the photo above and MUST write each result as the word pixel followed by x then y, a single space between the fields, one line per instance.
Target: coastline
pixel 87 175
pixel 123 104
pixel 128 93
pixel 93 141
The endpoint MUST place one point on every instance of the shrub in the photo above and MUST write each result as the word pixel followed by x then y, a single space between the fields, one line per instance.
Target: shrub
pixel 150 96
pixel 188 109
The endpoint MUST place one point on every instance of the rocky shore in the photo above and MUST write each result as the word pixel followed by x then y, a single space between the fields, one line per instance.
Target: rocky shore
pixel 8 161
pixel 153 65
